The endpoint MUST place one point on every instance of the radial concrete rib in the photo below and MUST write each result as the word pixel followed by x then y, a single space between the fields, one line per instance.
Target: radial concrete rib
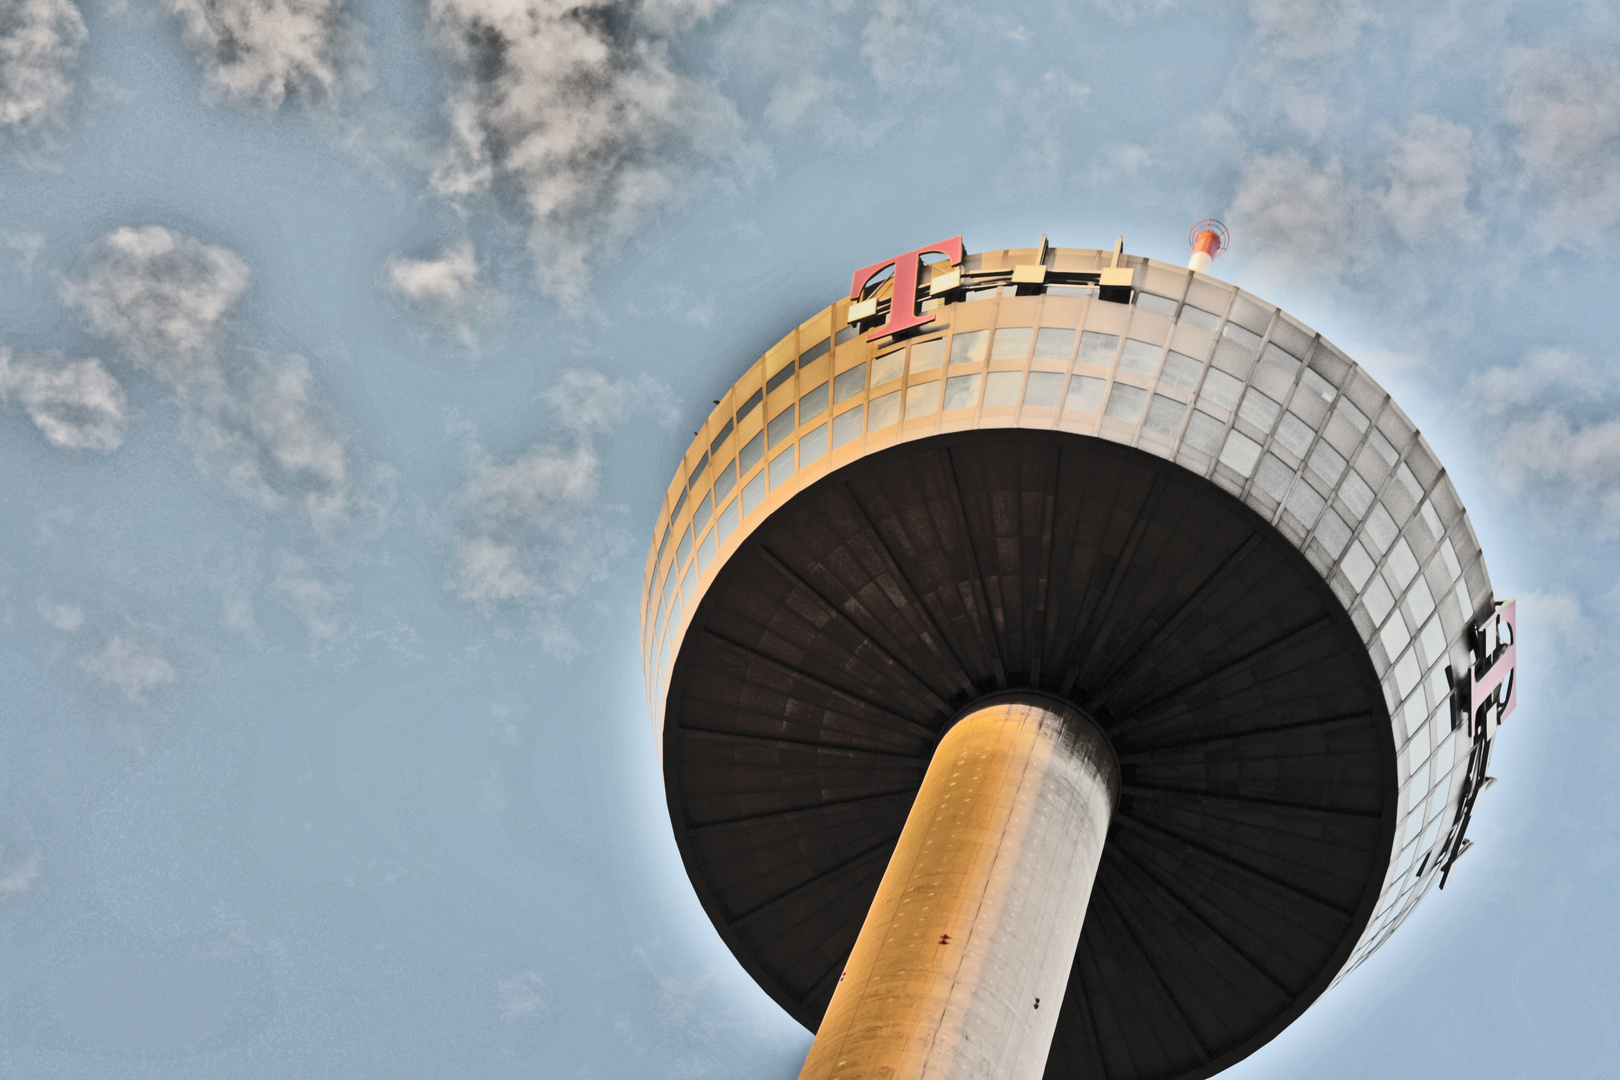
pixel 874 640
pixel 986 621
pixel 832 871
pixel 1097 615
pixel 1165 992
pixel 1133 822
pixel 832 688
pixel 914 598
pixel 1170 888
pixel 1154 750
pixel 1152 790
pixel 1151 709
pixel 808 808
pixel 709 733
pixel 1134 661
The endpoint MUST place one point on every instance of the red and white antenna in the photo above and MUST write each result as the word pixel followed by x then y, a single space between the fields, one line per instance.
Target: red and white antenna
pixel 1208 238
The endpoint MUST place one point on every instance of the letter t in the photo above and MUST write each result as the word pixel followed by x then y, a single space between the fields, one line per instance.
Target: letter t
pixel 903 307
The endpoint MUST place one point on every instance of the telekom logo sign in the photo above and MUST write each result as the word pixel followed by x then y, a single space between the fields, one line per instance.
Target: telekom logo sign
pixel 903 308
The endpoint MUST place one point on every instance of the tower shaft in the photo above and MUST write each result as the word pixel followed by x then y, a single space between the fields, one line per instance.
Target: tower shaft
pixel 961 964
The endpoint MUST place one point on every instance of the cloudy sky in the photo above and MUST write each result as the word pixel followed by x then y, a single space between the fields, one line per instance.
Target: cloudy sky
pixel 346 348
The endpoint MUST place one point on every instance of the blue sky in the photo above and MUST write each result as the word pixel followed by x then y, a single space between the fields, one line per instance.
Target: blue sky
pixel 342 365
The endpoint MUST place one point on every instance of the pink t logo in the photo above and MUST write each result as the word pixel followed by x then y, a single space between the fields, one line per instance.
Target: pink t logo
pixel 903 307
pixel 1487 687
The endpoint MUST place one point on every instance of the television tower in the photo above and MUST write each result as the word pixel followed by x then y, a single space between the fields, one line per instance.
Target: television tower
pixel 1063 664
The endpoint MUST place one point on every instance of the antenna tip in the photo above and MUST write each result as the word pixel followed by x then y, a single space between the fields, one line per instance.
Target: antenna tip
pixel 1210 237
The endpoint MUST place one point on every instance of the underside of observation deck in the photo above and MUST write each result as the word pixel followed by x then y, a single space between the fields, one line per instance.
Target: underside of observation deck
pixel 1258 796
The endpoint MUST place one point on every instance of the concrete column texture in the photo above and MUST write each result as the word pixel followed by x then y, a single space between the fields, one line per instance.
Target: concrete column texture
pixel 961 964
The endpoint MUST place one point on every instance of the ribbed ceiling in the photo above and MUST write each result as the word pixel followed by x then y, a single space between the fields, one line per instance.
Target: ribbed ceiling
pixel 1258 801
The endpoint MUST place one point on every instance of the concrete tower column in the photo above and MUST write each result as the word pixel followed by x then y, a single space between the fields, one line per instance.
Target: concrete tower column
pixel 961 964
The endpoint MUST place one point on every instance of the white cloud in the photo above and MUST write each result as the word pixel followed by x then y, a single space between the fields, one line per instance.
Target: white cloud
pixel 133 669
pixel 261 52
pixel 1556 628
pixel 39 51
pixel 1304 218
pixel 17 876
pixel 1430 172
pixel 64 617
pixel 1564 109
pixel 532 531
pixel 1558 434
pixel 28 246
pixel 1299 29
pixel 262 426
pixel 902 48
pixel 523 995
pixel 1299 217
pixel 258 420
pixel 164 297
pixel 78 405
pixel 577 117
pixel 311 599
pixel 1545 374
pixel 446 290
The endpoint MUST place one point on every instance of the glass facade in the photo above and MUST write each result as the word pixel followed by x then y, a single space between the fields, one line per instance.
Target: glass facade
pixel 1193 371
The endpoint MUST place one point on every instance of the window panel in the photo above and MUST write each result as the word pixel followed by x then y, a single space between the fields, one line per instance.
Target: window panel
pixel 1318 385
pixel 1203 432
pixel 702 512
pixel 1259 410
pixel 813 404
pixel 969 348
pixel 1199 317
pixel 812 444
pixel 961 392
pixel 928 355
pixel 1279 358
pixel 1182 370
pixel 1096 348
pixel 1221 389
pixel 753 493
pixel 849 383
pixel 780 427
pixel 1140 357
pixel 1241 335
pixel 1011 343
pixel 1294 435
pixel 751 454
pixel 781 469
pixel 847 426
pixel 1085 394
pixel 706 551
pixel 1054 343
pixel 1326 463
pixel 1045 388
pixel 1305 504
pixel 728 521
pixel 1164 415
pixel 1240 452
pixel 725 478
pixel 1002 388
pixel 883 411
pixel 780 377
pixel 888 367
pixel 1273 477
pixel 922 400
pixel 1355 492
pixel 1126 403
